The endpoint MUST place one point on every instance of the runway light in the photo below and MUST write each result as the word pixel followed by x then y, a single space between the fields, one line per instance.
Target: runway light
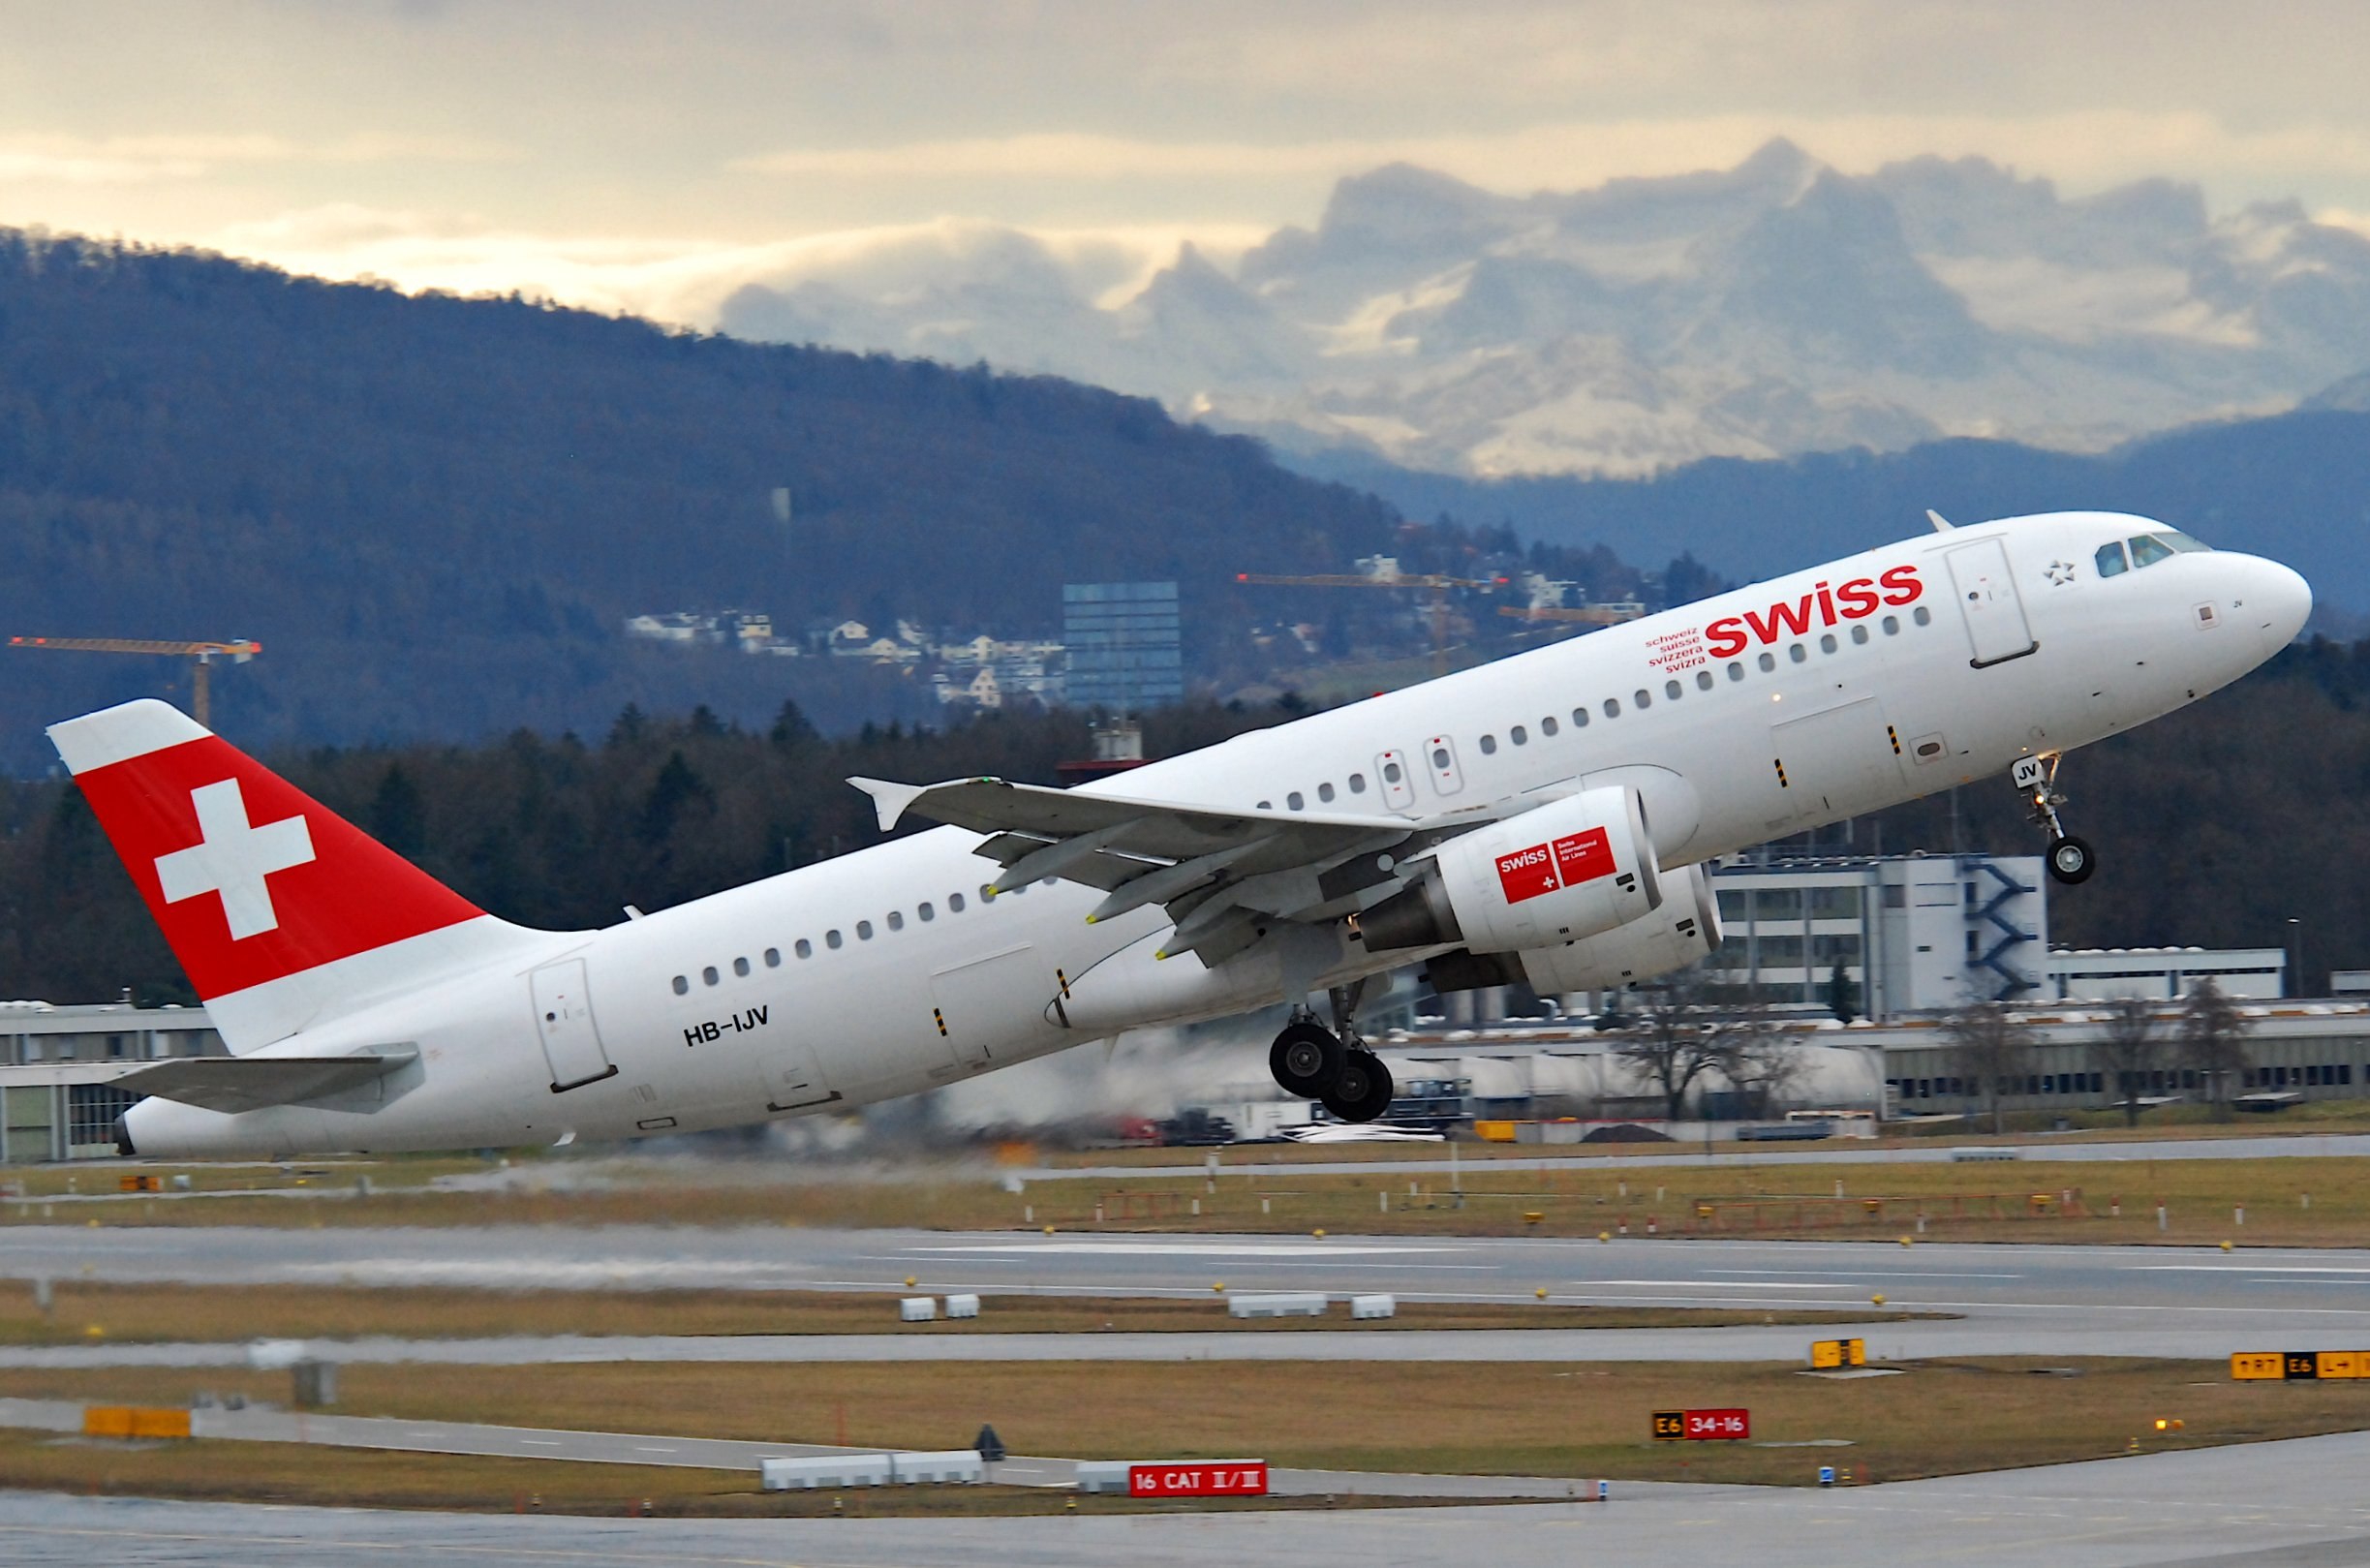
pixel 1218 1285
pixel 1541 1293
pixel 1603 1236
pixel 1877 1299
pixel 909 1281
pixel 2226 1246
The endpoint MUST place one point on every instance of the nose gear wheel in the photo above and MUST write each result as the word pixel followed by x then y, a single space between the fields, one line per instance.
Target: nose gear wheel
pixel 2071 860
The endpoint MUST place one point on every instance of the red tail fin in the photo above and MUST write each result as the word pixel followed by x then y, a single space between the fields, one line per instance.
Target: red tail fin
pixel 251 879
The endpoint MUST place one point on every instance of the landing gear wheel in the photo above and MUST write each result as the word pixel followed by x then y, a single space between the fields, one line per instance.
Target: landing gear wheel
pixel 1363 1089
pixel 1306 1060
pixel 2071 860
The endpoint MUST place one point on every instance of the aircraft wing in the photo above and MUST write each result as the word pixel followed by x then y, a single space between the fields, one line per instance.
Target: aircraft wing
pixel 1221 876
pixel 234 1084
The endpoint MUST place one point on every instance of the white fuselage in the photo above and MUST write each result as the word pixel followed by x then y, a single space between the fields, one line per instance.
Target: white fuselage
pixel 890 971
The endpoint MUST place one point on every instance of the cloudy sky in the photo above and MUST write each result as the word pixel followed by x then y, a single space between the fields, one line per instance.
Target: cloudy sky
pixel 650 156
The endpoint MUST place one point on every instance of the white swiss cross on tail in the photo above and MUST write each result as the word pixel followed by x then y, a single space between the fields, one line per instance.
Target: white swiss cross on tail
pixel 234 860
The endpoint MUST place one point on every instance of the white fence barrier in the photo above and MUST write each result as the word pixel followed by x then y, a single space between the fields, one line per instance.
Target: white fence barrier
pixel 917 1308
pixel 962 1307
pixel 826 1470
pixel 1277 1304
pixel 1103 1475
pixel 1373 1307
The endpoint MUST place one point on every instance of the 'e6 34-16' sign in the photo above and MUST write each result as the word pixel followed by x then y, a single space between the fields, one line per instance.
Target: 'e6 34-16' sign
pixel 1702 1426
pixel 1228 1478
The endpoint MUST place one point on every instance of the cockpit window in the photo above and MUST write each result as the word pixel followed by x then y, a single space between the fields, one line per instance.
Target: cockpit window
pixel 2111 560
pixel 2147 549
pixel 2180 540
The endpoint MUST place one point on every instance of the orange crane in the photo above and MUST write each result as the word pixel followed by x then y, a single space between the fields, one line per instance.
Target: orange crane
pixel 1438 586
pixel 238 652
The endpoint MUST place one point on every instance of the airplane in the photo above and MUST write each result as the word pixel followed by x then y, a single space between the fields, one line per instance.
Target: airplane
pixel 1547 817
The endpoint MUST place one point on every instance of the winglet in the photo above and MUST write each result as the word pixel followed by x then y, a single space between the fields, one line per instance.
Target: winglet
pixel 1942 523
pixel 890 800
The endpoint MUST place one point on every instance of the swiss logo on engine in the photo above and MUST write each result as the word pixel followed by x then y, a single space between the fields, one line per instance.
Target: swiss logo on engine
pixel 1546 868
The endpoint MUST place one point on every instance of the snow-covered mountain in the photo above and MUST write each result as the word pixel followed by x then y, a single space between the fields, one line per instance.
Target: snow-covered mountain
pixel 1775 308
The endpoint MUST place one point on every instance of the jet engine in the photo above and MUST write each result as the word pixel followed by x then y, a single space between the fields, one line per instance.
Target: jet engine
pixel 1685 928
pixel 1554 875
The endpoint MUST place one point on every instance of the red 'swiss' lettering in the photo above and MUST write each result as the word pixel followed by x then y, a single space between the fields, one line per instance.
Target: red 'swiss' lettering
pixel 1794 618
pixel 1830 605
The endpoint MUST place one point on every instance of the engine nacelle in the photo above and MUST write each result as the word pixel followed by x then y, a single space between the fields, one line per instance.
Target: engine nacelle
pixel 1684 929
pixel 1554 875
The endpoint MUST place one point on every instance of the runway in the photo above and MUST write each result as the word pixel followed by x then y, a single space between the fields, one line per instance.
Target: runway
pixel 1249 1159
pixel 2267 1505
pixel 2007 1299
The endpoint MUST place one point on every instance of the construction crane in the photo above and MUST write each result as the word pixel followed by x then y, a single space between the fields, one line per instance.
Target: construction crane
pixel 1437 585
pixel 238 652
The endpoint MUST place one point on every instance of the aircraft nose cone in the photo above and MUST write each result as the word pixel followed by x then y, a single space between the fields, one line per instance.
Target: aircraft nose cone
pixel 2279 600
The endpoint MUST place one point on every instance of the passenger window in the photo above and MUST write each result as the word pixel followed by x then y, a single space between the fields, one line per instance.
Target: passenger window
pixel 740 969
pixel 2147 550
pixel 924 909
pixel 773 958
pixel 1439 758
pixel 1324 791
pixel 832 941
pixel 1612 707
pixel 1892 625
pixel 1860 635
pixel 682 985
pixel 1642 698
pixel 987 892
pixel 1391 773
pixel 1736 671
pixel 709 975
pixel 1769 661
pixel 1293 801
pixel 897 920
pixel 2111 560
pixel 1671 690
pixel 803 949
pixel 1519 735
pixel 1798 653
pixel 1357 784
pixel 1703 680
pixel 864 931
pixel 954 901
pixel 1267 805
pixel 1579 718
pixel 1488 746
pixel 1826 642
pixel 1922 616
pixel 1546 725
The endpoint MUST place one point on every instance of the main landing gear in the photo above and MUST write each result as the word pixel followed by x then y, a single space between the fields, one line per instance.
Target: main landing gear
pixel 1332 1065
pixel 2071 860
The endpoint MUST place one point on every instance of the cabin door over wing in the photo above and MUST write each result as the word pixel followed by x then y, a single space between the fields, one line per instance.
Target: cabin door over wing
pixel 1988 601
pixel 1838 764
pixel 992 1004
pixel 563 1018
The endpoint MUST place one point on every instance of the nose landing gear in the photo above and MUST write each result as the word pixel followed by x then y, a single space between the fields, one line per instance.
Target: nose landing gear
pixel 2071 860
pixel 1331 1066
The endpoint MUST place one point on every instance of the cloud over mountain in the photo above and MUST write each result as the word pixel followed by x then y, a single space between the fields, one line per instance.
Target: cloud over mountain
pixel 1769 309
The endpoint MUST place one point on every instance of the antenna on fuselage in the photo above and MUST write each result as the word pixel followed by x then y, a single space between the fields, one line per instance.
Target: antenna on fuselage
pixel 1942 523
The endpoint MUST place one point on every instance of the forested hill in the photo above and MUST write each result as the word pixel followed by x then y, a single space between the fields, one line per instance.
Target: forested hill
pixel 436 514
pixel 2295 487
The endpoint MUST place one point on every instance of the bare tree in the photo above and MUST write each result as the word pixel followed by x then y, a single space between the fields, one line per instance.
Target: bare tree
pixel 1988 1045
pixel 2128 1047
pixel 1760 1063
pixel 2213 1043
pixel 1674 1042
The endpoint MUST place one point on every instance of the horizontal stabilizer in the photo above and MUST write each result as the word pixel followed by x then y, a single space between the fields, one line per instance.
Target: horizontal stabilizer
pixel 234 1084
